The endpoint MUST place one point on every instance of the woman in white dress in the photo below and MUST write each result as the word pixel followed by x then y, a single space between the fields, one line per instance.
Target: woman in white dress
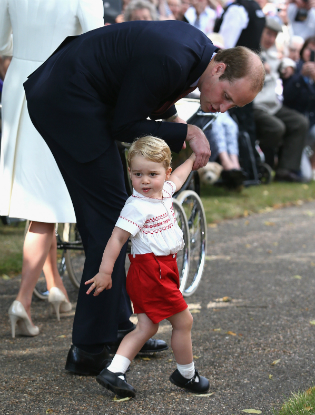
pixel 31 186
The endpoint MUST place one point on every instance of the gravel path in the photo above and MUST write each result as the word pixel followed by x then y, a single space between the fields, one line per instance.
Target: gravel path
pixel 255 349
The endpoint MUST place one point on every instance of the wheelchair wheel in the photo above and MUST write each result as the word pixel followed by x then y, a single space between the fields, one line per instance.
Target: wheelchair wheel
pixel 264 173
pixel 74 254
pixel 197 226
pixel 183 256
pixel 40 290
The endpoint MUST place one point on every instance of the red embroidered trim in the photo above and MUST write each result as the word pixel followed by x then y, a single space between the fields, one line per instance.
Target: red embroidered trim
pixel 130 221
pixel 155 225
pixel 156 218
pixel 158 230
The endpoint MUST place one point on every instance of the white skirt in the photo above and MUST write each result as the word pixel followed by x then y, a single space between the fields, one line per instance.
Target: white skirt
pixel 31 185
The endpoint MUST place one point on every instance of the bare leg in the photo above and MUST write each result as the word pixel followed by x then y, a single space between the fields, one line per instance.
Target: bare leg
pixel 50 269
pixel 38 243
pixel 133 341
pixel 181 337
pixel 229 161
pixel 235 161
pixel 225 161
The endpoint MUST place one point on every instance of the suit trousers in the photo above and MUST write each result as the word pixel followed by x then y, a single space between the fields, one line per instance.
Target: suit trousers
pixel 285 133
pixel 97 190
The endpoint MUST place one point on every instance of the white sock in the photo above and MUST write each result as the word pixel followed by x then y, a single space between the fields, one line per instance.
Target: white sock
pixel 119 364
pixel 187 371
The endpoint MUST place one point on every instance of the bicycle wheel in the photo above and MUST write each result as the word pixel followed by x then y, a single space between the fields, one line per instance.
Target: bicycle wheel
pixel 40 290
pixel 183 255
pixel 74 253
pixel 197 225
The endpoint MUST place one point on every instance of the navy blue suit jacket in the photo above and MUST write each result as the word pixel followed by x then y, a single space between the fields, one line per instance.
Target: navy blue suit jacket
pixel 104 84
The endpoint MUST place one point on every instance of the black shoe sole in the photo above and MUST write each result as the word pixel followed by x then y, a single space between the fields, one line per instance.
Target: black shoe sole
pixel 142 352
pixel 188 390
pixel 123 393
pixel 113 350
pixel 72 368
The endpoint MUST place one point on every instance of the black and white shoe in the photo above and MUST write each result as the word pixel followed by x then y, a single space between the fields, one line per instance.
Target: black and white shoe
pixel 197 384
pixel 114 383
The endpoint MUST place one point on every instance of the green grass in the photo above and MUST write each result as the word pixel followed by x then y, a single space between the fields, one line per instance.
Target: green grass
pixel 11 244
pixel 220 204
pixel 301 403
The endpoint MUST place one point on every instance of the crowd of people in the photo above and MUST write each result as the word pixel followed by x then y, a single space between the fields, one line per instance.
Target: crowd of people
pixel 280 122
pixel 59 131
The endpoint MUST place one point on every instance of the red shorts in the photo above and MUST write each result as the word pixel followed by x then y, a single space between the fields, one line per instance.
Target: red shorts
pixel 153 286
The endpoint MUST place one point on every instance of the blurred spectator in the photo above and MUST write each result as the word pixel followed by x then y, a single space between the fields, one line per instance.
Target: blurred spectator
pixel 163 11
pixel 299 91
pixel 301 15
pixel 281 131
pixel 112 11
pixel 185 6
pixel 140 10
pixel 295 47
pixel 201 16
pixel 269 8
pixel 241 24
pixel 176 8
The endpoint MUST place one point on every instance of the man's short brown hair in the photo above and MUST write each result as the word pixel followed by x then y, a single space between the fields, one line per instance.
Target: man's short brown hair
pixel 238 63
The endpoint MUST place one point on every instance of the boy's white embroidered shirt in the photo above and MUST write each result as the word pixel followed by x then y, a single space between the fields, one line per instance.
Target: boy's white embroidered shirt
pixel 152 223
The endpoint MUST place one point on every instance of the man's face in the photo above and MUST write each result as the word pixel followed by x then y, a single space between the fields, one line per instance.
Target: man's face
pixel 268 38
pixel 220 96
pixel 140 14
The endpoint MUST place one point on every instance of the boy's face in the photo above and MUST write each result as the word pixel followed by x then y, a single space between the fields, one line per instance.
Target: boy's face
pixel 148 177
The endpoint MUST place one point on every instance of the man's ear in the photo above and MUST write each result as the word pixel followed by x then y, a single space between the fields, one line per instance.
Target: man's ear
pixel 219 69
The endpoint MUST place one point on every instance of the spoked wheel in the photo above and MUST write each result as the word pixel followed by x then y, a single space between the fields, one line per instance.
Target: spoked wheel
pixel 40 290
pixel 74 254
pixel 197 225
pixel 264 173
pixel 183 256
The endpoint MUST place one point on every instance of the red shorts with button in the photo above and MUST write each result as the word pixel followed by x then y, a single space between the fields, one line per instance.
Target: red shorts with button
pixel 153 286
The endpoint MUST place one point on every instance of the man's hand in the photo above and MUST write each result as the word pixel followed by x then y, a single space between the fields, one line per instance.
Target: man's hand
pixel 101 281
pixel 199 145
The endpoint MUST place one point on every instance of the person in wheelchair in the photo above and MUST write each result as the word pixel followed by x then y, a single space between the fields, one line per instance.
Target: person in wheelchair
pixel 148 218
pixel 223 139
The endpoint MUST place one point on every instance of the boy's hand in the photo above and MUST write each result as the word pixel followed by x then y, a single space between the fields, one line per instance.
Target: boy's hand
pixel 193 157
pixel 100 282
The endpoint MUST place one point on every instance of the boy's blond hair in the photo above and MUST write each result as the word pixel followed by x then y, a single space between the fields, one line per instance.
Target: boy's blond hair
pixel 152 148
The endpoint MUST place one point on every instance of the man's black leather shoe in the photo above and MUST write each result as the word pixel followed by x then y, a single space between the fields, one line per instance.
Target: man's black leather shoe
pixel 80 362
pixel 112 382
pixel 197 384
pixel 151 346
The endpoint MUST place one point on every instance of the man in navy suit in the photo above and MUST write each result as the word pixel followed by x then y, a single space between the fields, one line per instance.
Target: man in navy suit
pixel 103 86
